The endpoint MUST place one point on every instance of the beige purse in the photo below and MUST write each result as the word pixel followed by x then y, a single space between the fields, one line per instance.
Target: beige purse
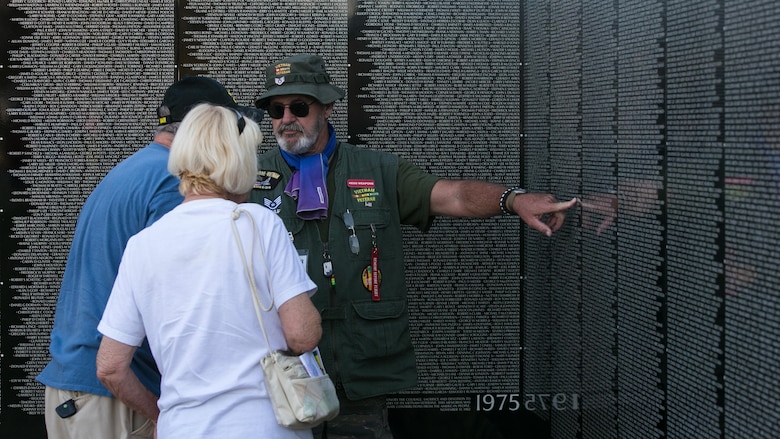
pixel 300 400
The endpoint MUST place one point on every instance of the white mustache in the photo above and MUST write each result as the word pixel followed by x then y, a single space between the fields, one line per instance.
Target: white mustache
pixel 289 127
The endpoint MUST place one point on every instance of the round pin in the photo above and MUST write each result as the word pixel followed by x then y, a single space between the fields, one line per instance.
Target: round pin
pixel 367 278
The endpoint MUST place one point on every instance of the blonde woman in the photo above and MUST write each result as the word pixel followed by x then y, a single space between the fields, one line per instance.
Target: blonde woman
pixel 182 285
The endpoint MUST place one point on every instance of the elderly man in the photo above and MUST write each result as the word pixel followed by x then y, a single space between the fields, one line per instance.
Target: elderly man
pixel 344 206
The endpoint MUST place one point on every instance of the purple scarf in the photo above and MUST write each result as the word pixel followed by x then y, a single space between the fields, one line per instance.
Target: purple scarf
pixel 308 182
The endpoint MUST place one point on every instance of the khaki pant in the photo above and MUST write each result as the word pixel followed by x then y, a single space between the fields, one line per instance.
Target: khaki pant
pixel 97 417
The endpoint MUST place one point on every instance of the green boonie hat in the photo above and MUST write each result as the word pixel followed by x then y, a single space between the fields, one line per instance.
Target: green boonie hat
pixel 299 75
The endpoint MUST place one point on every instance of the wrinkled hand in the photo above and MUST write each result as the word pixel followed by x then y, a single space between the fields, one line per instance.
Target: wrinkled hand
pixel 532 207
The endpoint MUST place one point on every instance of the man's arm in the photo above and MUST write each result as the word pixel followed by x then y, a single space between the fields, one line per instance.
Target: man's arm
pixel 478 199
pixel 113 370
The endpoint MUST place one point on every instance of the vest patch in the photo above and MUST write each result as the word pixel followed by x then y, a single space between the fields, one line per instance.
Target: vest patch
pixel 362 183
pixel 274 204
pixel 267 180
pixel 367 196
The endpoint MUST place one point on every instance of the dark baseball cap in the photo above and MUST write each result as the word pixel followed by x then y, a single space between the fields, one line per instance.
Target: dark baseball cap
pixel 299 75
pixel 185 94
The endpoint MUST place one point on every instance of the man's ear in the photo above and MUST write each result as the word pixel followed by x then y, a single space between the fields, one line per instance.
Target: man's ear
pixel 329 110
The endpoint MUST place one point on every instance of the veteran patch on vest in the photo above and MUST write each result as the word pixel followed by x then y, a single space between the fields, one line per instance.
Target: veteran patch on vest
pixel 363 191
pixel 267 180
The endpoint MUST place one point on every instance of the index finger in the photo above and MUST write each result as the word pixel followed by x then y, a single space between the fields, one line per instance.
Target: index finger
pixel 563 205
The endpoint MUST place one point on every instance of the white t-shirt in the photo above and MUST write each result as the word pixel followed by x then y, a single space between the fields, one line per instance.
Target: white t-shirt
pixel 182 285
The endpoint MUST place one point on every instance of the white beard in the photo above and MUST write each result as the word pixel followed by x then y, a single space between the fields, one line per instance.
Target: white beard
pixel 304 143
pixel 300 147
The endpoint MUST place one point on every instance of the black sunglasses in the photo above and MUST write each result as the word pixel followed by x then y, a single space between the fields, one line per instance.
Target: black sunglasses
pixel 240 122
pixel 297 108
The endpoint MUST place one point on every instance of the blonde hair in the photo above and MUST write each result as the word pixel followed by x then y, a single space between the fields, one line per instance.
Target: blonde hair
pixel 210 156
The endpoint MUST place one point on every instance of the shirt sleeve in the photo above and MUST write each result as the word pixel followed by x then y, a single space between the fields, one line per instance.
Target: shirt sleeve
pixel 414 195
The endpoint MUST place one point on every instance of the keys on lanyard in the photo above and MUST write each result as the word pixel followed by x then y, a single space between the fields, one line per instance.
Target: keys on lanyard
pixel 327 264
pixel 327 267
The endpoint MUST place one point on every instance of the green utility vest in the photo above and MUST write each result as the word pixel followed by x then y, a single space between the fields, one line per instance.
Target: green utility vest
pixel 365 344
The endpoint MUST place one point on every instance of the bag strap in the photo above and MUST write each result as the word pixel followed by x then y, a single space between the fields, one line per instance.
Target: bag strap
pixel 250 274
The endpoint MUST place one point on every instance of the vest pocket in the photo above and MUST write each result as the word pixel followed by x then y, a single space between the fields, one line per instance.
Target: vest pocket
pixel 363 219
pixel 380 329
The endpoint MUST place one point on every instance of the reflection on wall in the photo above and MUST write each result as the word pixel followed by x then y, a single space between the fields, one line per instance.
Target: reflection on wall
pixel 660 308
pixel 83 85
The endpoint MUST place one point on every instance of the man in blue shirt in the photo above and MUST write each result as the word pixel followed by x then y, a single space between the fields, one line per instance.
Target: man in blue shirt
pixel 132 196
